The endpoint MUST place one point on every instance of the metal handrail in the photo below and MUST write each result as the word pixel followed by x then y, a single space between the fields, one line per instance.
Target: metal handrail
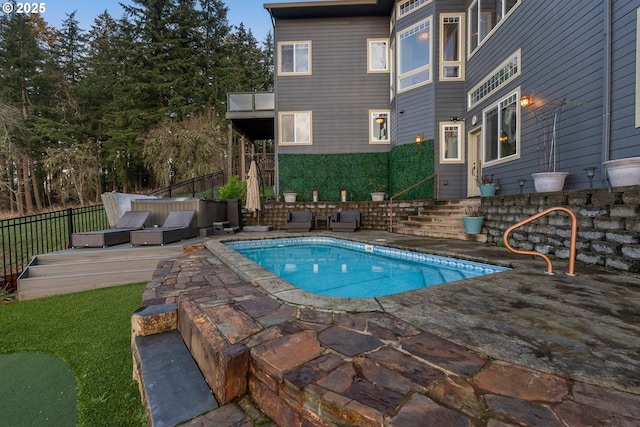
pixel 437 195
pixel 572 249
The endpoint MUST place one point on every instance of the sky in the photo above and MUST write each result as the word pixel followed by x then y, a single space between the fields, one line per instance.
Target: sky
pixel 250 12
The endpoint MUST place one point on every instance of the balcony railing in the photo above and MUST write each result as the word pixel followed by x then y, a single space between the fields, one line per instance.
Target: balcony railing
pixel 250 101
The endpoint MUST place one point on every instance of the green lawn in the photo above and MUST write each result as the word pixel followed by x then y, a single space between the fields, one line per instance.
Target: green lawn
pixel 91 332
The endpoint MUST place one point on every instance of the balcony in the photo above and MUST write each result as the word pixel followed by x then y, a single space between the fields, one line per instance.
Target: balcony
pixel 252 113
pixel 250 101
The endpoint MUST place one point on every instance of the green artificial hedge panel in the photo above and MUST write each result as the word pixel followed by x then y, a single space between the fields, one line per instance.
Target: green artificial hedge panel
pixel 409 164
pixel 360 174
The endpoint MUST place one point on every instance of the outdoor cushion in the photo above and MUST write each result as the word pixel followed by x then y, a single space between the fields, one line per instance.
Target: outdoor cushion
pixel 298 221
pixel 177 226
pixel 345 221
pixel 121 233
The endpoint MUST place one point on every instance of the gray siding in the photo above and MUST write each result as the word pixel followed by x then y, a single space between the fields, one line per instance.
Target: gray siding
pixel 339 92
pixel 450 101
pixel 625 137
pixel 563 50
pixel 562 57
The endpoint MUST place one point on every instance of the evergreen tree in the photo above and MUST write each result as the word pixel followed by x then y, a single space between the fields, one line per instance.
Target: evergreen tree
pixel 26 84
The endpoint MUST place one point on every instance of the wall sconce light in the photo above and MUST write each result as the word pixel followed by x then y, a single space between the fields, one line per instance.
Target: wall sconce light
pixel 497 185
pixel 343 195
pixel 454 119
pixel 526 100
pixel 315 194
pixel 504 137
pixel 590 171
pixel 521 184
pixel 419 139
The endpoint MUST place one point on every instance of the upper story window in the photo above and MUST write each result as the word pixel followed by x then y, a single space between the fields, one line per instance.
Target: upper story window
pixel 295 128
pixel 294 58
pixel 451 46
pixel 414 55
pixel 484 16
pixel 378 56
pixel 502 74
pixel 379 126
pixel 501 127
pixel 408 6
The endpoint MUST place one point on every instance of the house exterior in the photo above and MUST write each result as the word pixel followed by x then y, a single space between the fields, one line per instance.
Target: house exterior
pixel 379 94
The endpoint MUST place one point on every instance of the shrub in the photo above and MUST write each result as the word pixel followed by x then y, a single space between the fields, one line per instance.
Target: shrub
pixel 234 189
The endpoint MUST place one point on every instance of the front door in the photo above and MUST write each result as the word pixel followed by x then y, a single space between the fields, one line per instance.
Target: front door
pixel 474 154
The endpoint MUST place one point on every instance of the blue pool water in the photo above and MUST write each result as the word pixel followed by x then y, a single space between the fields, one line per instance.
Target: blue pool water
pixel 340 268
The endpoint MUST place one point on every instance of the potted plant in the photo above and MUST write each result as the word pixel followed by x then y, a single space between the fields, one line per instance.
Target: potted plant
pixel 473 219
pixel 487 186
pixel 622 172
pixel 289 196
pixel 549 179
pixel 377 190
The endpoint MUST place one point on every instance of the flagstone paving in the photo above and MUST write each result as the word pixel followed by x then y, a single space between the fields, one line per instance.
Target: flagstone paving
pixel 519 348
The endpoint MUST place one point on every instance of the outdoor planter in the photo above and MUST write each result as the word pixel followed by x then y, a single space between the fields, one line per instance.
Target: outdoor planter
pixel 290 197
pixel 487 190
pixel 549 181
pixel 623 172
pixel 472 224
pixel 377 196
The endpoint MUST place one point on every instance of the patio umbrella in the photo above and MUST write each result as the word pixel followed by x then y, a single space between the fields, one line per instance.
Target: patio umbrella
pixel 253 190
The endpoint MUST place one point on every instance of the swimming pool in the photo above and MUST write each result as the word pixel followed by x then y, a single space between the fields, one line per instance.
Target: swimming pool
pixel 347 269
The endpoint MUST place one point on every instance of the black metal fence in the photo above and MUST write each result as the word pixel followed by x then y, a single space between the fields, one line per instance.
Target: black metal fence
pixel 203 186
pixel 26 236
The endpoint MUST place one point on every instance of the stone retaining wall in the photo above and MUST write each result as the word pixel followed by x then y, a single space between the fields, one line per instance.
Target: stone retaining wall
pixel 608 224
pixel 375 215
pixel 608 221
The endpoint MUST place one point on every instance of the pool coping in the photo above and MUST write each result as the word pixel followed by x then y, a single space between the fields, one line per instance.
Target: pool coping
pixel 285 291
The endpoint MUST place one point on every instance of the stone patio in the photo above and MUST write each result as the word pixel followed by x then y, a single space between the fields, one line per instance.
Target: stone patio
pixel 518 348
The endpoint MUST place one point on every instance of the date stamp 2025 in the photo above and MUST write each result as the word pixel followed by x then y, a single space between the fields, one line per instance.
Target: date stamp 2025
pixel 24 8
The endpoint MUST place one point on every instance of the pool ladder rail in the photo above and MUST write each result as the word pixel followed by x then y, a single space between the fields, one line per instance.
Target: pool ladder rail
pixel 572 249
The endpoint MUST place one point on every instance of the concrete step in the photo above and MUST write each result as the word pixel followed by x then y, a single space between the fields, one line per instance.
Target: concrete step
pixel 172 387
pixel 439 234
pixel 443 220
pixel 434 219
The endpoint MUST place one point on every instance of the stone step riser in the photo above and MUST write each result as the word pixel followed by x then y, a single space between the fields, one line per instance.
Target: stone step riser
pixel 443 220
pixel 443 235
pixel 172 388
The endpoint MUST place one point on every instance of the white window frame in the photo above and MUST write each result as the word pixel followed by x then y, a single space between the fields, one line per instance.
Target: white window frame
pixel 407 7
pixel 392 73
pixel 444 127
pixel 374 127
pixel 503 101
pixel 461 47
pixel 307 72
pixel 488 29
pixel 415 29
pixel 377 63
pixel 496 79
pixel 299 118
